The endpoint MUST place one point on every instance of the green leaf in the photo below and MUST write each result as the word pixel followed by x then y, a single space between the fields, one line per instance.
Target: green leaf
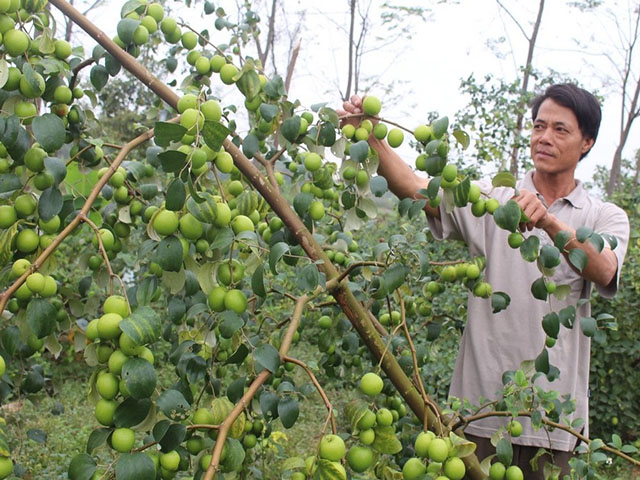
pixel 176 195
pixel 269 404
pixel 308 277
pixel 268 111
pixel 204 211
pixel 9 183
pixel 257 282
pixel 112 65
pixel 301 203
pixel 56 168
pixel 37 435
pixel 416 208
pixel 41 317
pixel 50 203
pixel 274 88
pixel 530 248
pixel 214 134
pixel 583 234
pixel 539 289
pixel 144 325
pixel 588 325
pixel 49 131
pixel 440 126
pixel 97 438
pixel 549 256
pixel 462 137
pixel 236 389
pixel 551 324
pixel 140 377
pixel 499 301
pixel 98 77
pixel 267 357
pixel 172 161
pixel 230 323
pixel 578 258
pixel 327 470
pixel 145 292
pixel 507 216
pixel 249 84
pixel 173 437
pixel 354 411
pixel 461 192
pixel 82 467
pixel 4 72
pixel 359 151
pixel 235 455
pixel 135 466
pixel 567 316
pixel 125 29
pixel 169 254
pixel 394 276
pixel 386 440
pixel 288 411
pixel 597 241
pixel 612 240
pixel 250 145
pixel 542 362
pixel 173 404
pixel 165 133
pixel 327 134
pixel 276 253
pixel 223 239
pixel 131 412
pixel 378 185
pixel 291 128
pixel 504 179
pixel 561 239
pixel 239 355
pixel 504 450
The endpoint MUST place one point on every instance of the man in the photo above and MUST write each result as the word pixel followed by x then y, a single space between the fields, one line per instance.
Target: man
pixel 566 120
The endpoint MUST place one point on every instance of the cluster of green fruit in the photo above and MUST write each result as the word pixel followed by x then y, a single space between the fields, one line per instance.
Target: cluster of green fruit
pixel 23 211
pixel 469 273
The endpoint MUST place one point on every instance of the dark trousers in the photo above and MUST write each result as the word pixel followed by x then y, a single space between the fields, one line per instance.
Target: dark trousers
pixel 522 456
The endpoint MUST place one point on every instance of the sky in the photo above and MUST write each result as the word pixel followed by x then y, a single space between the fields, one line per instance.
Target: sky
pixel 426 68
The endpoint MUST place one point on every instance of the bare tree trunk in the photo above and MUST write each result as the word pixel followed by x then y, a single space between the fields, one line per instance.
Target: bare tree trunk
pixel 263 55
pixel 69 27
pixel 523 91
pixel 352 6
pixel 292 64
pixel 633 111
pixel 637 173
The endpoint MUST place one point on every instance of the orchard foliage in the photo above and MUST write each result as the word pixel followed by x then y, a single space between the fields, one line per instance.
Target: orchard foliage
pixel 225 235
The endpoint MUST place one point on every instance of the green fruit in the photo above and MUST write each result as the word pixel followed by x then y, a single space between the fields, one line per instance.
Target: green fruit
pixel 105 410
pixel 16 42
pixel 50 226
pixel 422 133
pixel 514 473
pixel 170 460
pixel 32 90
pixel 367 437
pixel 34 159
pixel 474 193
pixel 156 11
pixel 190 40
pixel 242 223
pixel 27 241
pixel 492 205
pixel 413 469
pixel 6 467
pixel 116 360
pixel 367 421
pixel 25 205
pixel 3 366
pixel 515 239
pixel 514 428
pixel 371 384
pixel 35 282
pixel 497 471
pixel 371 105
pixel 166 222
pixel 236 301
pixel 193 120
pixel 190 227
pixel 316 210
pixel 116 304
pixel 211 110
pixel 312 161
pixel 332 448
pixel 227 72
pixel 188 101
pixel 423 440
pixel 63 94
pixel 384 417
pixel 122 439
pixel 479 208
pixel 224 162
pixel 359 458
pixel 217 62
pixel 380 131
pixel 454 469
pixel 109 326
pixel 438 450
pixel 8 216
pixel 449 172
pixel 216 299
pixel 395 137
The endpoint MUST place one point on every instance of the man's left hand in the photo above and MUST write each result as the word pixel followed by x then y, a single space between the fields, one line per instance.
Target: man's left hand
pixel 534 209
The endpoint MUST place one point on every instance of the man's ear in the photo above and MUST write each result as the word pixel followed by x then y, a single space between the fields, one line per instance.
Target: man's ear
pixel 587 143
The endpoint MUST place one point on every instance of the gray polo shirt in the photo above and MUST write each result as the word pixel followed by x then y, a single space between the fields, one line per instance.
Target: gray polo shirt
pixel 494 343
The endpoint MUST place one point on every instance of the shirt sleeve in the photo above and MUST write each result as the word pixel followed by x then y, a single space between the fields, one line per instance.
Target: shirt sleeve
pixel 613 221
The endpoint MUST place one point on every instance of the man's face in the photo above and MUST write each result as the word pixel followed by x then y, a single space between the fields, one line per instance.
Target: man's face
pixel 556 140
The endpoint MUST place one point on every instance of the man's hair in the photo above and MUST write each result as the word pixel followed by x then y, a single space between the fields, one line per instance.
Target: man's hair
pixel 582 103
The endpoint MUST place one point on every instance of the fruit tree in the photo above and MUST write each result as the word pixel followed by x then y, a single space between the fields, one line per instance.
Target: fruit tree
pixel 185 264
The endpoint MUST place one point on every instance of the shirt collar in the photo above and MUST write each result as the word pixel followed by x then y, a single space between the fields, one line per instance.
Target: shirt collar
pixel 577 197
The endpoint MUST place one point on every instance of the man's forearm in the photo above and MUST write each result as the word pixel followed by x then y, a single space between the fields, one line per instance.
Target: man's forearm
pixel 601 266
